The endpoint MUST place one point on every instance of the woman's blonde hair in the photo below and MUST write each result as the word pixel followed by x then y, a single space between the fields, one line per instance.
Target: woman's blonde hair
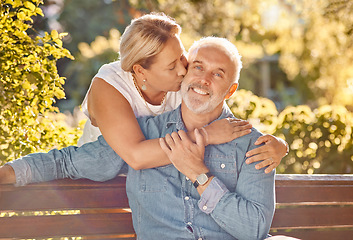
pixel 144 38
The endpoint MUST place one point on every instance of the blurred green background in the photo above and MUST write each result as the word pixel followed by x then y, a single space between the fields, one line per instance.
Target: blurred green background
pixel 297 80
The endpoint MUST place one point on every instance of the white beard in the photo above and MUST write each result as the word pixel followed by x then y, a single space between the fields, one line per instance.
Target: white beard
pixel 198 105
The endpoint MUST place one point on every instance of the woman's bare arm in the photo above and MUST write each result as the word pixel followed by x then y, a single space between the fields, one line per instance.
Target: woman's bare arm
pixel 112 113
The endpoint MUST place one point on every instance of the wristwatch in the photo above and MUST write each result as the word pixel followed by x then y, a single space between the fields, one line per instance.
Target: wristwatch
pixel 202 179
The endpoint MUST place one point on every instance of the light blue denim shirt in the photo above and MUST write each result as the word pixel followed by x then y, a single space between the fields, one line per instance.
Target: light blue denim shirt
pixel 238 203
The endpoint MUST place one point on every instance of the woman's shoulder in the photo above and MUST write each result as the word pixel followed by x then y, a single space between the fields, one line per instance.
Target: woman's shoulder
pixel 112 67
pixel 113 73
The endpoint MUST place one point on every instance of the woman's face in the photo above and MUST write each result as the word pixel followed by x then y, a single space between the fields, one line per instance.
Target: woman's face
pixel 169 67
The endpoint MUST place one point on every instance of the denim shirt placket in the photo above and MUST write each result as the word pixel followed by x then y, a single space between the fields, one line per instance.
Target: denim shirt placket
pixel 186 184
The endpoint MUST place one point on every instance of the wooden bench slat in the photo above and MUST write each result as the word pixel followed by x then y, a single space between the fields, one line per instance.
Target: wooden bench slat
pixel 317 193
pixel 66 225
pixel 296 188
pixel 313 216
pixel 308 207
pixel 313 179
pixel 110 237
pixel 61 195
pixel 63 199
pixel 318 235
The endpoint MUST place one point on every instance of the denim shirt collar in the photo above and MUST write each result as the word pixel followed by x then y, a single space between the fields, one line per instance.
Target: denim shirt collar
pixel 176 117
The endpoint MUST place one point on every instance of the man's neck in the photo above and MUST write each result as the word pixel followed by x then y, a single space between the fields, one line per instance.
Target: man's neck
pixel 193 120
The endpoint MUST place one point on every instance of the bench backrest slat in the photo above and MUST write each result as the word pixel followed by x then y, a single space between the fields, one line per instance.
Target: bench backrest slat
pixel 104 210
pixel 65 194
pixel 313 217
pixel 293 188
pixel 308 207
pixel 306 234
pixel 314 206
pixel 67 225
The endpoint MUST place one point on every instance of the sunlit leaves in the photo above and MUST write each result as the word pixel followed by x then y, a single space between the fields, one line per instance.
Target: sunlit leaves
pixel 320 140
pixel 90 58
pixel 316 49
pixel 29 83
pixel 261 112
pixel 313 39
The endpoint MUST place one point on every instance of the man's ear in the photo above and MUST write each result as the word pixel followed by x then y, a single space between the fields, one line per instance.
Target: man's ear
pixel 232 89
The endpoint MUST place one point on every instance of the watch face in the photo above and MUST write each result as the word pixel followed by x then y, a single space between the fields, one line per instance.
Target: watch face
pixel 202 179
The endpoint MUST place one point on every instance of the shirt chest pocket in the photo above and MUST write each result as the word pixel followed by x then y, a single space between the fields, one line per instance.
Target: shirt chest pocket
pixel 224 168
pixel 156 179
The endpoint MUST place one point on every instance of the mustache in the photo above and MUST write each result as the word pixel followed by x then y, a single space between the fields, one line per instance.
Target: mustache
pixel 198 85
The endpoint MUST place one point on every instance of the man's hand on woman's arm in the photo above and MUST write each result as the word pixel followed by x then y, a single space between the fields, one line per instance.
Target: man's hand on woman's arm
pixel 7 175
pixel 226 130
pixel 222 131
pixel 186 156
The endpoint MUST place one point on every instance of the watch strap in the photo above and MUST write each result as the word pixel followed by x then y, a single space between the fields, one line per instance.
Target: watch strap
pixel 196 183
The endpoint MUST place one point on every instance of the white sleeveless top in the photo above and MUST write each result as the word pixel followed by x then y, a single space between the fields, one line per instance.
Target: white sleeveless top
pixel 123 82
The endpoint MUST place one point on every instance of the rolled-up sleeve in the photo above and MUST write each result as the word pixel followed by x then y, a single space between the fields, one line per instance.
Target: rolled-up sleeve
pixel 95 160
pixel 211 196
pixel 22 171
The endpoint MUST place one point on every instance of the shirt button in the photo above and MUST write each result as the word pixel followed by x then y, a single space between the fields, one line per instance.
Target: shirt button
pixel 186 198
pixel 204 207
pixel 223 165
pixel 187 179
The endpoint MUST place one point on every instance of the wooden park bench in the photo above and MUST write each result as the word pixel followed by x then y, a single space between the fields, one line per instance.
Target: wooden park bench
pixel 308 207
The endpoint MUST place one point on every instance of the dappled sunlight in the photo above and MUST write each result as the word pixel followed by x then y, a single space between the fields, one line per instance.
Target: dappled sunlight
pixel 101 44
pixel 305 47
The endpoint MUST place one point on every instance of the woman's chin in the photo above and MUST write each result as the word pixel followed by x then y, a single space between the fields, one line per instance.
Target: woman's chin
pixel 176 89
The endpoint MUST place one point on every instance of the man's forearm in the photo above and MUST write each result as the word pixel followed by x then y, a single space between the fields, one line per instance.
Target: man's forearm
pixel 247 211
pixel 95 161
pixel 243 218
pixel 7 175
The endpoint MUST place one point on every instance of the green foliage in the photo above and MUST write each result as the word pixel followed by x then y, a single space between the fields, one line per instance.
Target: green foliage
pixel 320 140
pixel 313 39
pixel 87 62
pixel 261 112
pixel 84 20
pixel 29 84
pixel 87 21
pixel 315 57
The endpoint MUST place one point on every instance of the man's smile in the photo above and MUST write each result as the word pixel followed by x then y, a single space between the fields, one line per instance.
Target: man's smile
pixel 199 90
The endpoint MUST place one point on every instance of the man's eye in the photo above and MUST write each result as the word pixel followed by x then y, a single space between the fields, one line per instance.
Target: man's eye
pixel 198 67
pixel 218 75
pixel 172 68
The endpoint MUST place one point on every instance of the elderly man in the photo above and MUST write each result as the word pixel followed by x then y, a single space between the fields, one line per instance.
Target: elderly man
pixel 208 192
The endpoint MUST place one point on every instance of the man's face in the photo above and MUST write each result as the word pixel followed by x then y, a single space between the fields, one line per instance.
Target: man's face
pixel 209 78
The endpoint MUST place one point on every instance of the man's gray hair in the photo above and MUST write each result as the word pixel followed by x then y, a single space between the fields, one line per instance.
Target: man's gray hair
pixel 225 46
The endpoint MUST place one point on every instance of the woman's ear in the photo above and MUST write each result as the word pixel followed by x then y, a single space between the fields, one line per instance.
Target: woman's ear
pixel 139 71
pixel 232 89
